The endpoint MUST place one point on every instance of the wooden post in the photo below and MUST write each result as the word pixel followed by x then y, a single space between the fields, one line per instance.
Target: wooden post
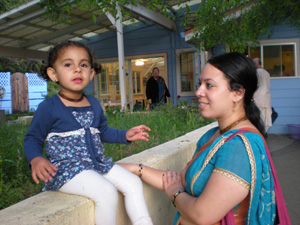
pixel 19 93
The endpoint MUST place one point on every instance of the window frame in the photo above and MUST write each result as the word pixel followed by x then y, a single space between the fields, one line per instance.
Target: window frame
pixel 280 42
pixel 178 71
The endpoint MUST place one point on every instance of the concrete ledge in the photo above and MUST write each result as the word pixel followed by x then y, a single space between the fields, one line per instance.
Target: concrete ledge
pixel 57 208
pixel 25 119
pixel 50 208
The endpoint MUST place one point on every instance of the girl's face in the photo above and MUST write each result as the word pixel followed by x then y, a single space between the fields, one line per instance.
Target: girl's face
pixel 214 96
pixel 72 69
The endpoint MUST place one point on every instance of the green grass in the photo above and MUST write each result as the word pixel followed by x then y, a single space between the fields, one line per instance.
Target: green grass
pixel 166 124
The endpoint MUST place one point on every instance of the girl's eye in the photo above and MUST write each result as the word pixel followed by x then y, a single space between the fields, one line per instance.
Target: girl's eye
pixel 67 64
pixel 84 65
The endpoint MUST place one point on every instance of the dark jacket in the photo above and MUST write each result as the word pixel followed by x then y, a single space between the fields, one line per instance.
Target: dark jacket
pixel 152 89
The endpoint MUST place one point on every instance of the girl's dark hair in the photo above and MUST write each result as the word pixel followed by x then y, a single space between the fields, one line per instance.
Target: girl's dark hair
pixel 55 51
pixel 241 73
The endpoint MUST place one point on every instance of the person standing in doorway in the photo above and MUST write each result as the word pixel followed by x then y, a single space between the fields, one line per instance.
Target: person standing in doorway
pixel 262 95
pixel 156 90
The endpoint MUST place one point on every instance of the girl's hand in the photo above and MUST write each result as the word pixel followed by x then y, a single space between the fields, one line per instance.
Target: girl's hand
pixel 172 183
pixel 41 168
pixel 138 133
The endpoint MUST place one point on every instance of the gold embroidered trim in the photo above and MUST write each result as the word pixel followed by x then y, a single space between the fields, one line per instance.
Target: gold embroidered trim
pixel 232 176
pixel 179 220
pixel 251 160
pixel 206 161
pixel 253 170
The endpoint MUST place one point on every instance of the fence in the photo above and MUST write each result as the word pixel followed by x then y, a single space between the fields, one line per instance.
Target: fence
pixel 37 89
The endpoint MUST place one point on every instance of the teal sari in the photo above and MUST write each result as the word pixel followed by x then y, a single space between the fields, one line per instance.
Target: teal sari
pixel 248 166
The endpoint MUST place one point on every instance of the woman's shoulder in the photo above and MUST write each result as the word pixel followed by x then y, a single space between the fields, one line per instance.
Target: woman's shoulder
pixel 244 139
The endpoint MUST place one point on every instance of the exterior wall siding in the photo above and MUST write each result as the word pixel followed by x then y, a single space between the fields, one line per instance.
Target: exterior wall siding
pixel 283 31
pixel 285 96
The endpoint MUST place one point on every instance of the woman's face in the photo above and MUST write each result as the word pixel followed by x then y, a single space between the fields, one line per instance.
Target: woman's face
pixel 214 96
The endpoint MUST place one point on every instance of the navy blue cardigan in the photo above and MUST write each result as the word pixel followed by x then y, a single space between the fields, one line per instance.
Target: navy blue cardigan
pixel 53 116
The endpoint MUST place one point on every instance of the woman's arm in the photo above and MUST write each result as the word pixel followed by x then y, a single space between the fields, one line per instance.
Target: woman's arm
pixel 220 195
pixel 148 175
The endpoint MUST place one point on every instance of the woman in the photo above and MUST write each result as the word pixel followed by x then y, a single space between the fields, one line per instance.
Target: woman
pixel 227 179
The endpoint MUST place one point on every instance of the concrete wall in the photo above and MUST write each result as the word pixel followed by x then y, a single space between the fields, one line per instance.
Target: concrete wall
pixel 57 208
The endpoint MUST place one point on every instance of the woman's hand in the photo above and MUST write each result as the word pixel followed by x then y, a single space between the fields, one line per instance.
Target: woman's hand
pixel 41 168
pixel 138 133
pixel 172 183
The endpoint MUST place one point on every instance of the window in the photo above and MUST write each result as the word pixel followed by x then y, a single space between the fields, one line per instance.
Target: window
pixel 115 81
pixel 103 82
pixel 278 59
pixel 188 73
pixel 136 82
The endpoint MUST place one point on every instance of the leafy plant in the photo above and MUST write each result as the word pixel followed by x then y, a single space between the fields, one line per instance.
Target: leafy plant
pixel 13 65
pixel 52 89
pixel 6 5
pixel 236 23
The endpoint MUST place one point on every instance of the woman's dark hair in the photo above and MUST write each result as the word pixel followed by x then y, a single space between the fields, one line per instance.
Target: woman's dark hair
pixel 54 53
pixel 241 73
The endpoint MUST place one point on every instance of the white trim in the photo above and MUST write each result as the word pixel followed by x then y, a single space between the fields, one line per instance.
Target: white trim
pixel 292 41
pixel 178 72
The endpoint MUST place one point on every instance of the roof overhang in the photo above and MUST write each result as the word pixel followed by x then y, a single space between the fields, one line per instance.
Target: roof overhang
pixel 27 32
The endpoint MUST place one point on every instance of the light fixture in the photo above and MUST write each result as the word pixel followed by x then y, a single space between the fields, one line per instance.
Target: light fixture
pixel 139 63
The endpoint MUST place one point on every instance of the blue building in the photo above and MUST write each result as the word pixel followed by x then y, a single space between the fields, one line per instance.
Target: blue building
pixel 128 52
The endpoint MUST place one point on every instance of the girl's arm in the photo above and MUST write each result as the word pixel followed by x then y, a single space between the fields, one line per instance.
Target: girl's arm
pixel 138 133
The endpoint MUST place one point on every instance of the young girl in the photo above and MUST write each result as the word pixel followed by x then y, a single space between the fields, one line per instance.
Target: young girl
pixel 74 126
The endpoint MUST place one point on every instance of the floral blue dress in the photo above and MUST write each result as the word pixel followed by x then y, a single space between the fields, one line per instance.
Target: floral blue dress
pixel 69 152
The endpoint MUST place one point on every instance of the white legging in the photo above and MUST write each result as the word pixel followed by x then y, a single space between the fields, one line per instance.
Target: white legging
pixel 102 189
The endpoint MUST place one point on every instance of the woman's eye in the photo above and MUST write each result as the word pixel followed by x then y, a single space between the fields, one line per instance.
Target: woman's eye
pixel 209 85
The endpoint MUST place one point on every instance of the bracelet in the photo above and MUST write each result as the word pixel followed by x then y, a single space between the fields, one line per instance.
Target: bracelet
pixel 140 170
pixel 176 194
